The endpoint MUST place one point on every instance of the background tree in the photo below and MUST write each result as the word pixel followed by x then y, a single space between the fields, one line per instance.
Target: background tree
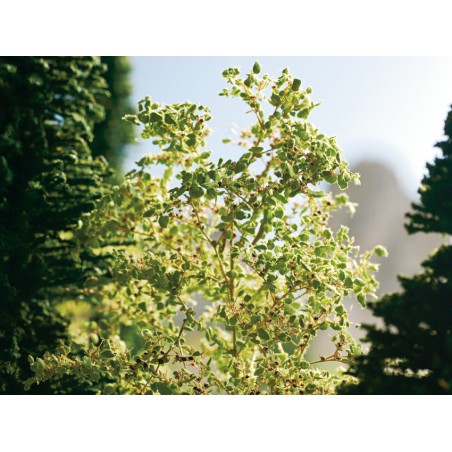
pixel 412 354
pixel 48 179
pixel 112 134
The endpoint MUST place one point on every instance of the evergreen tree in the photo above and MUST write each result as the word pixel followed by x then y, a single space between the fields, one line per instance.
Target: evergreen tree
pixel 48 179
pixel 412 354
pixel 113 134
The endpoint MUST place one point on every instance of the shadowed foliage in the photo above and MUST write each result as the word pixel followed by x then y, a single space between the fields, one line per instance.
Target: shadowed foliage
pixel 113 134
pixel 48 179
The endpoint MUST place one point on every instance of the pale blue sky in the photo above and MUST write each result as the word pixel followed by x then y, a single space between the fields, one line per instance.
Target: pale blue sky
pixel 385 108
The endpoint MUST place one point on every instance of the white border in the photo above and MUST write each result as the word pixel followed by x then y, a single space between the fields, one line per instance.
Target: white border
pixel 235 27
pixel 219 423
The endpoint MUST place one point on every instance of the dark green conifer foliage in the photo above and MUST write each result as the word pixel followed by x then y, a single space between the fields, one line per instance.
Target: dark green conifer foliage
pixel 113 134
pixel 434 213
pixel 48 179
pixel 412 354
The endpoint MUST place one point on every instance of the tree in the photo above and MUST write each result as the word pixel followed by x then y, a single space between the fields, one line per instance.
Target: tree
pixel 412 354
pixel 112 134
pixel 235 269
pixel 48 179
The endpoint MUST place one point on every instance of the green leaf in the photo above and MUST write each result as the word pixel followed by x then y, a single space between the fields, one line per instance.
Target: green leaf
pixel 256 68
pixel 330 176
pixel 341 199
pixel 323 251
pixel 291 170
pixel 169 120
pixel 155 117
pixel 362 299
pixel 211 193
pixel 196 191
pixel 315 193
pixel 359 282
pixel 280 197
pixel 240 215
pixel 228 217
pixel 342 181
pixel 296 84
pixel 380 251
pixel 279 212
pixel 255 319
pixel 256 150
pixel 263 334
pixel 163 221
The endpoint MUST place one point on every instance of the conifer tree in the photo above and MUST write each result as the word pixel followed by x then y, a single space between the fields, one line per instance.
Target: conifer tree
pixel 47 180
pixel 113 134
pixel 412 354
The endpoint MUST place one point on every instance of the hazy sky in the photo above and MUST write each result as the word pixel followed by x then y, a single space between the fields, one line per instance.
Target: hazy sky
pixel 385 108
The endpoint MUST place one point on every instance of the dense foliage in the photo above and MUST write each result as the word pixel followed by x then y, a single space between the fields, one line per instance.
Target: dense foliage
pixel 412 354
pixel 234 270
pixel 112 134
pixel 47 181
pixel 434 213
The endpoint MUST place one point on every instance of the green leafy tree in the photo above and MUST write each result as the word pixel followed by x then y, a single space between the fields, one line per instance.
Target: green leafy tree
pixel 112 134
pixel 412 354
pixel 235 269
pixel 47 181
